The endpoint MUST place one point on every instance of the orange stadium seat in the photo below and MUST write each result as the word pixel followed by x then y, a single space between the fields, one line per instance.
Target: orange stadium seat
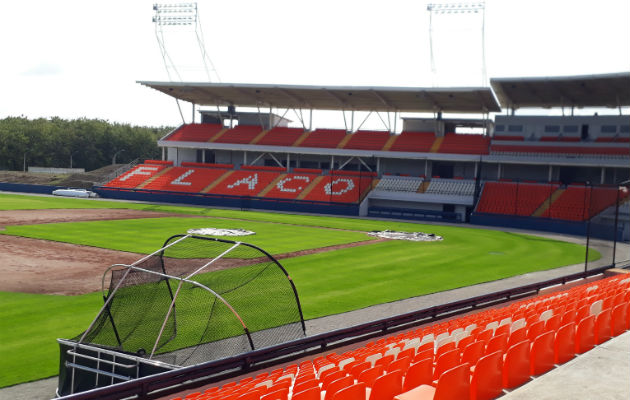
pixel 341 189
pixel 241 134
pixel 324 138
pixel 195 133
pixel 290 186
pixel 486 381
pixel 482 379
pixel 135 176
pixel 184 179
pixel 244 183
pixel 367 140
pixel 419 142
pixel 281 136
pixel 465 144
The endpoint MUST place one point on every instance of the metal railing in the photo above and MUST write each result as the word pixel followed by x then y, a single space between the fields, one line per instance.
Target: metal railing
pixel 163 384
pixel 117 172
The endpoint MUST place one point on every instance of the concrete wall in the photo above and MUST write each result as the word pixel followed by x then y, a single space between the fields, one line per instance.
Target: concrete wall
pixel 44 170
pixel 534 126
pixel 178 155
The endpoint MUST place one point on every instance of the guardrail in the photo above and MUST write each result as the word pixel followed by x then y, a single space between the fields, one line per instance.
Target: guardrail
pixel 166 383
pixel 117 172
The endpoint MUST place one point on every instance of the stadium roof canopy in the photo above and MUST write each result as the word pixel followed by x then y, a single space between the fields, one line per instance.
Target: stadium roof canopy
pixel 607 90
pixel 357 98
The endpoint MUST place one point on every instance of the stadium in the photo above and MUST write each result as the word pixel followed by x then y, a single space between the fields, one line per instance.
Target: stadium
pixel 476 246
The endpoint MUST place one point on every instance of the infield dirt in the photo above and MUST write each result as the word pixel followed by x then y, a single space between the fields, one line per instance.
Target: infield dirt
pixel 48 267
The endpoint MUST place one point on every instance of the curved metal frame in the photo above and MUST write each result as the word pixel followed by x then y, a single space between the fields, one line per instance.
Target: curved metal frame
pixel 272 258
pixel 168 243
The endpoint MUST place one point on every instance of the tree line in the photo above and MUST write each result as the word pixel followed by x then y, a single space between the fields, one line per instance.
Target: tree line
pixel 84 143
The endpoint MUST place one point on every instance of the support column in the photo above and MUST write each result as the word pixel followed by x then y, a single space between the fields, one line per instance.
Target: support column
pixel 244 158
pixel 603 176
pixel 378 166
pixel 288 161
pixel 310 120
pixel 498 171
pixel 163 154
pixel 550 175
pixel 352 122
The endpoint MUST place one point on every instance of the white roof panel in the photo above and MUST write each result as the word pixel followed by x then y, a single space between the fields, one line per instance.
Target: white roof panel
pixel 358 98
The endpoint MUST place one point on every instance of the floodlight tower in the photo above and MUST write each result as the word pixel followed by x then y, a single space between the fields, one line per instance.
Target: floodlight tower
pixel 181 15
pixel 459 8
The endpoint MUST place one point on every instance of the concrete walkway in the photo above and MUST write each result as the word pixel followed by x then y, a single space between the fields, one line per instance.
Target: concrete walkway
pixel 602 373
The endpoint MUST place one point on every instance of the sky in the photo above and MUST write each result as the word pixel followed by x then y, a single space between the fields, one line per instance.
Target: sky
pixel 76 59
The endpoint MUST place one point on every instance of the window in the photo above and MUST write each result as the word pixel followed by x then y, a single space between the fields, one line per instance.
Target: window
pixel 515 128
pixel 624 129
pixel 609 128
pixel 552 128
pixel 499 128
pixel 570 129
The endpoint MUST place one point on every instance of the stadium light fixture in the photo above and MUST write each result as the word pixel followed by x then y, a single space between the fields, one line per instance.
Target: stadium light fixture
pixel 478 7
pixel 175 14
pixel 182 16
pixel 456 8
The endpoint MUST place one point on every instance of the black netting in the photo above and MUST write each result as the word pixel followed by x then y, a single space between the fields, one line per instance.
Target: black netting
pixel 234 298
pixel 608 225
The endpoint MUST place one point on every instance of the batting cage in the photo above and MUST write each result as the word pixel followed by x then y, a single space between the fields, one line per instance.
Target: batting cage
pixel 194 300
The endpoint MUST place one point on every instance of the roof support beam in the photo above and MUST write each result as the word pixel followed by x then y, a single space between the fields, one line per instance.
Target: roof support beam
pixel 563 95
pixel 382 99
pixel 332 94
pixel 295 98
pixel 248 94
pixel 432 100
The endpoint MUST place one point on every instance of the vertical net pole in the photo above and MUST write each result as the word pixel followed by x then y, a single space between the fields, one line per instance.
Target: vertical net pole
pixel 615 227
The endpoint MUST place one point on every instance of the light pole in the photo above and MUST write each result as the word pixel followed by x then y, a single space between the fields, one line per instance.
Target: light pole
pixel 474 7
pixel 71 154
pixel 115 154
pixel 24 161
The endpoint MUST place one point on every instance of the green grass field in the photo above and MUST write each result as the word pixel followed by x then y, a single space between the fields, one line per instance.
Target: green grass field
pixel 328 283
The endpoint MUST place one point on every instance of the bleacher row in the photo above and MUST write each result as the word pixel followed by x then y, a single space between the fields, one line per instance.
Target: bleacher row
pixel 572 202
pixel 251 181
pixel 425 142
pixel 477 356
pixel 439 186
pixel 547 200
pixel 275 182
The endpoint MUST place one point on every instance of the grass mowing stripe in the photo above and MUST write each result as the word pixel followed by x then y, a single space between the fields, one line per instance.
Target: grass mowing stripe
pixel 147 235
pixel 395 270
pixel 29 327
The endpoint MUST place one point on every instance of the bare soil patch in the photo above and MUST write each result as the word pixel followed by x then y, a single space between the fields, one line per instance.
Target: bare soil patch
pixel 48 267
pixel 45 267
pixel 42 266
pixel 34 217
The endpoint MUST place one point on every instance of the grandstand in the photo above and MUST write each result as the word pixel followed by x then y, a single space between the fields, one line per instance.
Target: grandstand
pixel 476 356
pixel 515 167
pixel 561 174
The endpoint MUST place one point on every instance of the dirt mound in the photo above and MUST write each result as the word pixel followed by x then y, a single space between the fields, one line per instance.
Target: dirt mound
pixel 80 180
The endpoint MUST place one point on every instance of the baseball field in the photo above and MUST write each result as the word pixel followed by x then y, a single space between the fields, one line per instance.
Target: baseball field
pixel 55 251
